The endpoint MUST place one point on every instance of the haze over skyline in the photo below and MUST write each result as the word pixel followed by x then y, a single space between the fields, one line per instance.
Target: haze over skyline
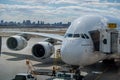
pixel 55 10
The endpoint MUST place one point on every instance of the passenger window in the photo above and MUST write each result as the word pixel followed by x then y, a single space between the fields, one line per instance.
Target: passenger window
pixel 105 41
pixel 76 35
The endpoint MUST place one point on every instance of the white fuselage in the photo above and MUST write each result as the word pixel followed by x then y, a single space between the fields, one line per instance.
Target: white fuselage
pixel 77 46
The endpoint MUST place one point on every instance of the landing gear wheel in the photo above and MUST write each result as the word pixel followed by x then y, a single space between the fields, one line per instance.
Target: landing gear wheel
pixel 109 61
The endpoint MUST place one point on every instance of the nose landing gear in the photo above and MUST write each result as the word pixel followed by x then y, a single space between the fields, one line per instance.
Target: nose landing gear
pixel 78 75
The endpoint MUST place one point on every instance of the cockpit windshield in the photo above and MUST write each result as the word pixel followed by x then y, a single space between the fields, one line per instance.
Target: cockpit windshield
pixel 70 35
pixel 76 35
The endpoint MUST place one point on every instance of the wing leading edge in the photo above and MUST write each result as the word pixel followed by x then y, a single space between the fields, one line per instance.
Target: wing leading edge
pixel 54 36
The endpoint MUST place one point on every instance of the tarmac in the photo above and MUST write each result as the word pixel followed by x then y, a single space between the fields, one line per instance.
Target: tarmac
pixel 13 62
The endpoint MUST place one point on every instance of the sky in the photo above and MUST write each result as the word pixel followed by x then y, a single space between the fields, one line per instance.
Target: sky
pixel 55 10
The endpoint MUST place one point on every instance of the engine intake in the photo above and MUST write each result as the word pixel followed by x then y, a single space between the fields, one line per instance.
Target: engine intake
pixel 16 43
pixel 38 50
pixel 42 50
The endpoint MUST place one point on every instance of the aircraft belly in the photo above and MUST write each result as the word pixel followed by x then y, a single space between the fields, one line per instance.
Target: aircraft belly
pixel 80 55
pixel 91 58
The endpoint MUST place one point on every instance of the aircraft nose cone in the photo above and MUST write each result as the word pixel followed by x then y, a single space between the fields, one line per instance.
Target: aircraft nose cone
pixel 69 53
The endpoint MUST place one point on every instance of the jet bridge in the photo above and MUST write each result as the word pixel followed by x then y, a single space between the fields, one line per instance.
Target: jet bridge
pixel 106 40
pixel 109 41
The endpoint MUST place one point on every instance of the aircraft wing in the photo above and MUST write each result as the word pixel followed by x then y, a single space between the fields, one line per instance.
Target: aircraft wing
pixel 47 35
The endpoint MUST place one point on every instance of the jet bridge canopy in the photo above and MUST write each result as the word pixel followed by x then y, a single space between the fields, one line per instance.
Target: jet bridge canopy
pixel 95 35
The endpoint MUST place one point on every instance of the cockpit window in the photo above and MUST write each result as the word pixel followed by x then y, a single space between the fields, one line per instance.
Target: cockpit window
pixel 69 35
pixel 76 35
pixel 82 35
pixel 87 37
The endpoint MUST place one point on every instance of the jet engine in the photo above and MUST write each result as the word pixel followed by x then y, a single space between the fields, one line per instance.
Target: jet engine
pixel 16 43
pixel 43 50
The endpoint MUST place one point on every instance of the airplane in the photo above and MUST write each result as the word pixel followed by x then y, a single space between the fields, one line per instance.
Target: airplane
pixel 89 39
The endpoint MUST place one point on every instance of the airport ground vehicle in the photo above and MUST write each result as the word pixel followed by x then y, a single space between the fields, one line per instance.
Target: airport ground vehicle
pixel 64 76
pixel 24 76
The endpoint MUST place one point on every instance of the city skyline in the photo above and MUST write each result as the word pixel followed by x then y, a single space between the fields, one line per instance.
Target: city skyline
pixel 29 23
pixel 39 21
pixel 52 11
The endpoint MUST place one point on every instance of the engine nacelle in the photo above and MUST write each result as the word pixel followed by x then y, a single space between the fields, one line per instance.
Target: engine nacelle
pixel 16 43
pixel 51 40
pixel 43 50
